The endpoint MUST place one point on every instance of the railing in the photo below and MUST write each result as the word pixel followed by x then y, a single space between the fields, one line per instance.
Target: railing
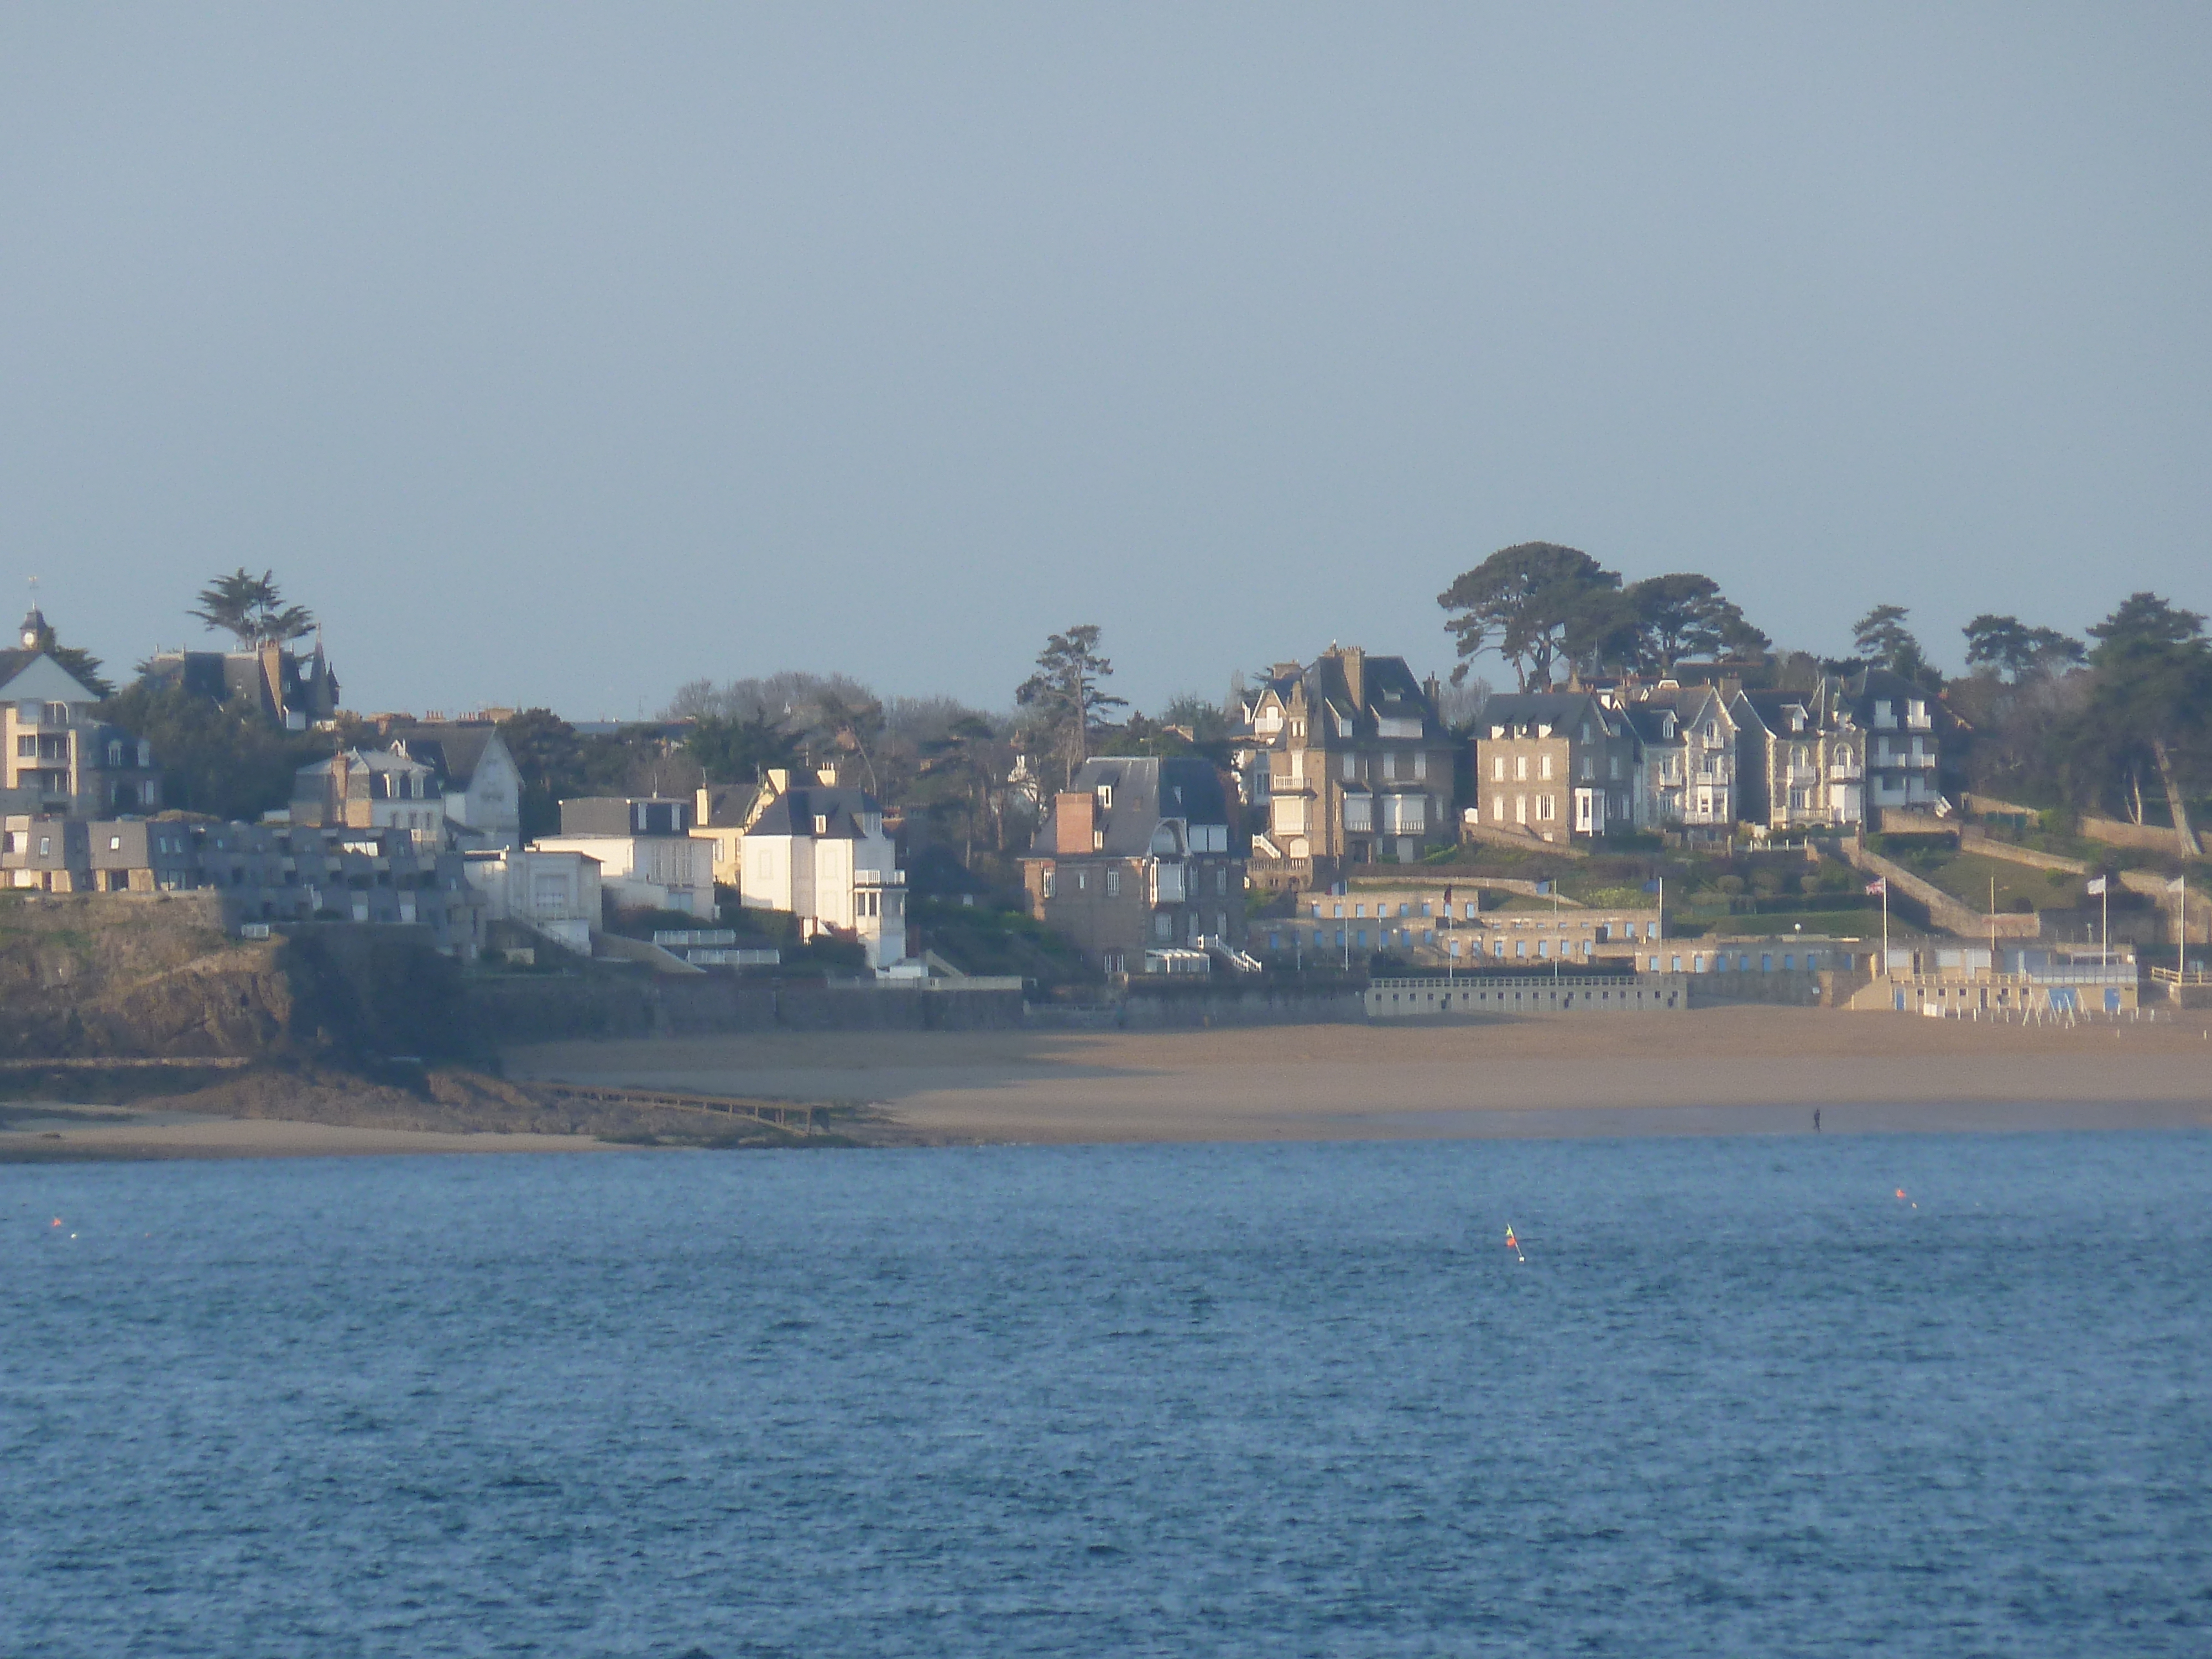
pixel 782 1116
pixel 1438 981
pixel 2178 977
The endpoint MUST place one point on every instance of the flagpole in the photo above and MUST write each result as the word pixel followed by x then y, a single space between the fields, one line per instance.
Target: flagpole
pixel 1884 926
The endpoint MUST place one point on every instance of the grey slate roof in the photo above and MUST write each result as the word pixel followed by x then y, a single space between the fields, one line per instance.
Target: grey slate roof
pixel 452 748
pixel 793 812
pixel 1145 790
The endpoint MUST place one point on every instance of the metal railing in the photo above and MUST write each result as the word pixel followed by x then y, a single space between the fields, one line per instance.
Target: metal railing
pixel 2176 976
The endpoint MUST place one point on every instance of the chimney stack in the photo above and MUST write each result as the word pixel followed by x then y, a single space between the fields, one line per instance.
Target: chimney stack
pixel 1075 817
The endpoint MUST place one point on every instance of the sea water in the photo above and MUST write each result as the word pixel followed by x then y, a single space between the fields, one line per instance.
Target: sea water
pixel 1917 1395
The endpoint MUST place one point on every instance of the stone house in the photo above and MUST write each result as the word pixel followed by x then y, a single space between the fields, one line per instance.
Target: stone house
pixel 289 688
pixel 371 789
pixel 1688 742
pixel 1136 864
pixel 1556 765
pixel 1343 763
pixel 1800 759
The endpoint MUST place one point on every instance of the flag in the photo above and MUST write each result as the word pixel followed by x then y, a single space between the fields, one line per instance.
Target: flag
pixel 1879 884
pixel 2177 884
pixel 1543 886
pixel 1651 886
pixel 2097 886
pixel 1511 1244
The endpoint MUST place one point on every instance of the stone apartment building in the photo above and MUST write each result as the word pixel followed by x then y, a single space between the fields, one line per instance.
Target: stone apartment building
pixel 1556 765
pixel 1800 759
pixel 1137 864
pixel 1688 743
pixel 1343 763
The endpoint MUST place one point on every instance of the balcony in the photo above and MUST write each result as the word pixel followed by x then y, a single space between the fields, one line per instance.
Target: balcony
pixel 1846 772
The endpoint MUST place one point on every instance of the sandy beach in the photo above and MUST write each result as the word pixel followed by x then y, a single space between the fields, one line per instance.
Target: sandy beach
pixel 74 1132
pixel 1723 1070
pixel 1741 1070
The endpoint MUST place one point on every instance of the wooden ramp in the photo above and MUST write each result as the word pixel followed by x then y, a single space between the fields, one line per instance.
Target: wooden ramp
pixel 795 1117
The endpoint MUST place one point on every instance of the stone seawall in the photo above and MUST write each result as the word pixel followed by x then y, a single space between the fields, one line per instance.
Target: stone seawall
pixel 542 1010
pixel 1213 1003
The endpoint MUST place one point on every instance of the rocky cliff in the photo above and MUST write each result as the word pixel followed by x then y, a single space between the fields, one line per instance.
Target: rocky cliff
pixel 153 974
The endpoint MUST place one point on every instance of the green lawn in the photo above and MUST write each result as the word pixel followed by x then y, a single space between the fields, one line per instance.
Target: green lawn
pixel 1966 876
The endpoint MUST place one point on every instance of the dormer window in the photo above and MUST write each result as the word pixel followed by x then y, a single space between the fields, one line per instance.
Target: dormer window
pixel 57 713
pixel 821 823
pixel 1105 793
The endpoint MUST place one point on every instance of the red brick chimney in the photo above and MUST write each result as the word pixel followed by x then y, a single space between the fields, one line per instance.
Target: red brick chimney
pixel 1075 817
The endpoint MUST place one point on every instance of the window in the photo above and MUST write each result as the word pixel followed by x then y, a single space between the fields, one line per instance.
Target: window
pixel 1544 767
pixel 1497 768
pixel 1547 808
pixel 1050 884
pixel 1336 909
pixel 1348 766
pixel 27 748
pixel 1359 909
pixel 1113 884
pixel 1082 881
pixel 1497 809
pixel 1221 879
pixel 115 843
pixel 114 756
pixel 1105 793
pixel 1163 926
pixel 1589 769
pixel 1389 765
pixel 1521 768
pixel 1421 764
pixel 46 846
pixel 1613 767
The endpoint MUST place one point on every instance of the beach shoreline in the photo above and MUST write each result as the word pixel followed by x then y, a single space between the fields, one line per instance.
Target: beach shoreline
pixel 1723 1071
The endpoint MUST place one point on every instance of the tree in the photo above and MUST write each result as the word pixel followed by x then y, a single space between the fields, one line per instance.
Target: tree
pixel 2003 645
pixel 1066 692
pixel 2153 693
pixel 850 719
pixel 966 761
pixel 250 608
pixel 221 759
pixel 1883 638
pixel 1686 615
pixel 731 751
pixel 1522 601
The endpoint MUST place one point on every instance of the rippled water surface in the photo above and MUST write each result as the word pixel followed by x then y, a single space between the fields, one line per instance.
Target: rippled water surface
pixel 1740 1398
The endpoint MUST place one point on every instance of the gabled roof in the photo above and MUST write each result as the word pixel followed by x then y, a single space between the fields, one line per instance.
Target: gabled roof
pixel 454 748
pixel 33 676
pixel 1656 722
pixel 795 811
pixel 1556 709
pixel 727 804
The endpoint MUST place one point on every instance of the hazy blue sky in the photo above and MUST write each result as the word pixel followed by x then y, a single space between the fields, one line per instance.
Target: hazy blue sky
pixel 560 355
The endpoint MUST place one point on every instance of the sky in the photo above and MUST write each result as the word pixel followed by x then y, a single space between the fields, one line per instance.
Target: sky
pixel 559 356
